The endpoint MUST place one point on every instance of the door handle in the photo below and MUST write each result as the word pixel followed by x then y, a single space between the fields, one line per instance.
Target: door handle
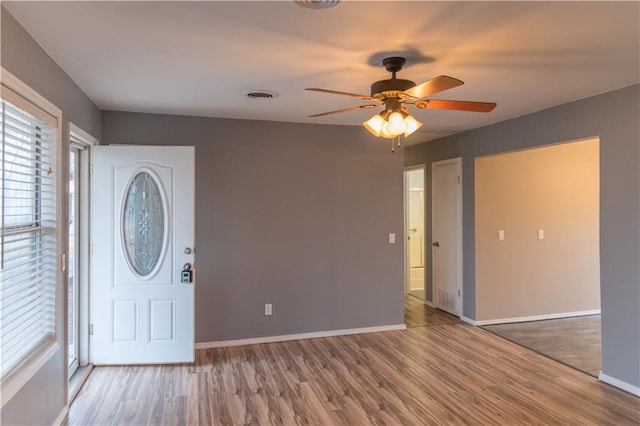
pixel 413 230
pixel 435 244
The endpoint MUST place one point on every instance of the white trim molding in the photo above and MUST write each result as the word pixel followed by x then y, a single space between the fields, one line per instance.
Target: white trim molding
pixel 468 320
pixel 86 138
pixel 15 381
pixel 18 86
pixel 301 336
pixel 532 318
pixel 61 419
pixel 635 390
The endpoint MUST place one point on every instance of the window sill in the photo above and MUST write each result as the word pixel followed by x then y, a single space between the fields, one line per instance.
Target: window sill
pixel 12 384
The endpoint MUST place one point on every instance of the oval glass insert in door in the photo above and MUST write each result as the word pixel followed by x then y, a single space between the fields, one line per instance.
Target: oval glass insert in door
pixel 143 224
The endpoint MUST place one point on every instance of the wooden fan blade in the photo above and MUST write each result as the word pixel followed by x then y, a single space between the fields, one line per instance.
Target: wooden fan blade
pixel 432 86
pixel 456 105
pixel 345 110
pixel 335 92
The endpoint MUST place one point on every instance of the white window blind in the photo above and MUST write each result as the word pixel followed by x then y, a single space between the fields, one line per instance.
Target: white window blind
pixel 28 255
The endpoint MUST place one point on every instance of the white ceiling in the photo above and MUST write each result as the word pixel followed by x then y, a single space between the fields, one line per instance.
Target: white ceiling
pixel 200 58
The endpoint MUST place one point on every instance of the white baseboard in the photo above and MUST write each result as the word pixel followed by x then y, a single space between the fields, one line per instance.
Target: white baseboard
pixel 635 390
pixel 469 320
pixel 533 317
pixel 80 382
pixel 301 336
pixel 429 303
pixel 63 414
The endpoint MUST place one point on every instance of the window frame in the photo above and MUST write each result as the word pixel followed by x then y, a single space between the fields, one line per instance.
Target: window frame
pixel 11 87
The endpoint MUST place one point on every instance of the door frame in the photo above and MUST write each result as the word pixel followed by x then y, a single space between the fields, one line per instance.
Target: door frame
pixel 458 162
pixel 405 199
pixel 77 136
pixel 81 141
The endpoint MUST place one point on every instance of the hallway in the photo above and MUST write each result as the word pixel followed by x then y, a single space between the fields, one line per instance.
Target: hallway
pixel 417 314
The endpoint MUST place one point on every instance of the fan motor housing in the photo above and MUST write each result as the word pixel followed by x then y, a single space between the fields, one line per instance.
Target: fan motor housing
pixel 391 85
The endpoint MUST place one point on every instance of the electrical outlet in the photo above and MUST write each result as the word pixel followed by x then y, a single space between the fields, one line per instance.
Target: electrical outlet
pixel 268 309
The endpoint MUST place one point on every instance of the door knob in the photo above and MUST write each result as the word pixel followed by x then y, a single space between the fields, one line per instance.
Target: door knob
pixel 436 244
pixel 188 250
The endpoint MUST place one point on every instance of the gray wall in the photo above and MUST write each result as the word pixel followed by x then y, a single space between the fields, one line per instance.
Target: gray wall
pixel 296 215
pixel 613 117
pixel 43 398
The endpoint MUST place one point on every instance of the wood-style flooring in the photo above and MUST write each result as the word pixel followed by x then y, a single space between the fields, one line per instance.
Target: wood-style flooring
pixel 417 314
pixel 447 373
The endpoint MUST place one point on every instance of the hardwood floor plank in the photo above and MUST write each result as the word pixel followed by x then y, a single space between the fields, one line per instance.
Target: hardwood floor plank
pixel 447 373
pixel 417 314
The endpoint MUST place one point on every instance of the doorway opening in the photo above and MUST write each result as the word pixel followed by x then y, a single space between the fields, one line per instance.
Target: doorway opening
pixel 537 239
pixel 414 205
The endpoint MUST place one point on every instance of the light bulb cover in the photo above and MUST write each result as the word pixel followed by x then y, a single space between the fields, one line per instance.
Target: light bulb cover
pixel 396 124
pixel 412 125
pixel 386 133
pixel 374 125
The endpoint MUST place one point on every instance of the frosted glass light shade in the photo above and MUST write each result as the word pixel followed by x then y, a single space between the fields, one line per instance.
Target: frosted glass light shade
pixel 374 125
pixel 412 125
pixel 395 124
pixel 385 133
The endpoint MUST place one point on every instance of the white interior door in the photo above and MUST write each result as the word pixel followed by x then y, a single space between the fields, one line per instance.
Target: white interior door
pixel 142 234
pixel 447 235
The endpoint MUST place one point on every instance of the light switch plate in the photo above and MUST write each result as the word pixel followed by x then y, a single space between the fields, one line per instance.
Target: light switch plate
pixel 392 238
pixel 541 234
pixel 500 235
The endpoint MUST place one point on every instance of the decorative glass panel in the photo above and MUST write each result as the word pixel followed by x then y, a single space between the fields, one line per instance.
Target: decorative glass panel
pixel 143 226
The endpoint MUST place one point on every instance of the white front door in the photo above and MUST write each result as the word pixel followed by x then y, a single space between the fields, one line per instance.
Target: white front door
pixel 142 235
pixel 447 235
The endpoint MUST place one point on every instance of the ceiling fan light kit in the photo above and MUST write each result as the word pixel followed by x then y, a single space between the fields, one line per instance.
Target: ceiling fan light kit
pixel 395 120
pixel 392 124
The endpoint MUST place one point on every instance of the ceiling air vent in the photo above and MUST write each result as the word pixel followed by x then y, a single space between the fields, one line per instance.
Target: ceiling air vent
pixel 261 94
pixel 317 4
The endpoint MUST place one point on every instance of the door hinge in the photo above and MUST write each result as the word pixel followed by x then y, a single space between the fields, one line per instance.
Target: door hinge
pixel 63 262
pixel 91 249
pixel 458 292
pixel 91 169
pixel 90 329
pixel 458 179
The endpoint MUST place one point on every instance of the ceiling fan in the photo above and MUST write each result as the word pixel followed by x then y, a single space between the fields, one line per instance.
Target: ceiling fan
pixel 394 93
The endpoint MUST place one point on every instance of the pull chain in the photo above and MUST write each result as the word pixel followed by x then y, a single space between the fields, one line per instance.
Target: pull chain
pixel 395 142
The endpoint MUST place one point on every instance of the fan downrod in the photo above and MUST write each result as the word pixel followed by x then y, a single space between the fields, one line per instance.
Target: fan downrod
pixel 393 64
